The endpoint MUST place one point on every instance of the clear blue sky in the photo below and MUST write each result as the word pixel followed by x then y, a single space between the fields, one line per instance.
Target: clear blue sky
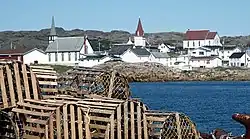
pixel 228 17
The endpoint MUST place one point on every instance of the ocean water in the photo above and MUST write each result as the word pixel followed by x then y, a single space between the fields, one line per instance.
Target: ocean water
pixel 209 104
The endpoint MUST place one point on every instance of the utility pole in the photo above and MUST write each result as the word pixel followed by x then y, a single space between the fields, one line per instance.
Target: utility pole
pixel 99 47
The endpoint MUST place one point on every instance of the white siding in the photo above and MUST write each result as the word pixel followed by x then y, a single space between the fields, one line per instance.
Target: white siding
pixel 239 62
pixel 131 57
pixel 35 55
pixel 207 63
pixel 89 50
pixel 163 48
pixel 139 41
pixel 199 52
pixel 225 54
pixel 66 61
pixel 158 60
pixel 91 63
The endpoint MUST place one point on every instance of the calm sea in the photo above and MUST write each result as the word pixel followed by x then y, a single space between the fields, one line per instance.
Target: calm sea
pixel 209 104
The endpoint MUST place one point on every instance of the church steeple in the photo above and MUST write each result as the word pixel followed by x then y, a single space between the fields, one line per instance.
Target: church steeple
pixel 52 35
pixel 139 30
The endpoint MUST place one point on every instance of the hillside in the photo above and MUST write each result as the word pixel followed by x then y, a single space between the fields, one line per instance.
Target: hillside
pixel 39 38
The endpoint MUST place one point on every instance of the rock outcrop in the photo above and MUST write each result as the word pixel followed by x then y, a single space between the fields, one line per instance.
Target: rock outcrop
pixel 154 72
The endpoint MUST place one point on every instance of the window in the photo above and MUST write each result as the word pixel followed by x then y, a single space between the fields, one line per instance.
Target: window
pixel 199 43
pixel 49 57
pixel 209 42
pixel 241 64
pixel 55 56
pixel 231 64
pixel 201 53
pixel 62 56
pixel 198 60
pixel 194 52
pixel 208 61
pixel 188 44
pixel 228 51
pixel 75 56
pixel 69 57
pixel 193 44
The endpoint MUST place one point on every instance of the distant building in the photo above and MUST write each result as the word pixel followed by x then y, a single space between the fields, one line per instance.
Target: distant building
pixel 27 55
pixel 205 62
pixel 239 59
pixel 139 39
pixel 96 59
pixel 165 48
pixel 226 51
pixel 134 55
pixel 197 38
pixel 66 50
pixel 159 57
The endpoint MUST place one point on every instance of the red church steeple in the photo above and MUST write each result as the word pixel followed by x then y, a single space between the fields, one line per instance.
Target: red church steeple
pixel 139 31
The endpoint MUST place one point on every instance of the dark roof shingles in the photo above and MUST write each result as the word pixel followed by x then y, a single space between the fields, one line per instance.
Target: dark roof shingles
pixel 237 55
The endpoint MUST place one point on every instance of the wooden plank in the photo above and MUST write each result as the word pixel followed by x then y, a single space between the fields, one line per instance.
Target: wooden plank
pixel 47 131
pixel 119 119
pixel 98 103
pixel 145 123
pixel 107 131
pixel 155 125
pixel 18 83
pixel 42 70
pixel 72 122
pixel 11 87
pixel 31 112
pixel 98 111
pixel 112 126
pixel 34 129
pixel 43 102
pixel 42 67
pixel 50 90
pixel 3 90
pixel 46 76
pixel 178 126
pixel 98 107
pixel 103 119
pixel 26 82
pixel 36 121
pixel 58 123
pixel 156 119
pixel 36 106
pixel 111 84
pixel 139 120
pixel 51 127
pixel 87 128
pixel 96 126
pixel 42 73
pixel 65 122
pixel 47 83
pixel 27 136
pixel 34 85
pixel 132 120
pixel 126 120
pixel 80 122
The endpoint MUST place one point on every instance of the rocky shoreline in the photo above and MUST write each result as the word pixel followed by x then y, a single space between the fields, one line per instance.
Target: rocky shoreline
pixel 154 72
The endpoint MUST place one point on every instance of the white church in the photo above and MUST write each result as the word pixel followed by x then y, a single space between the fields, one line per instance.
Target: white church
pixel 66 50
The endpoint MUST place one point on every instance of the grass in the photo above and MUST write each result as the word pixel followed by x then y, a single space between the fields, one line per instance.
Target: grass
pixel 58 68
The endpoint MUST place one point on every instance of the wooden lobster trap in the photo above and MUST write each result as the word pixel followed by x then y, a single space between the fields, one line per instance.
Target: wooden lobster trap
pixel 39 119
pixel 171 125
pixel 47 79
pixel 17 82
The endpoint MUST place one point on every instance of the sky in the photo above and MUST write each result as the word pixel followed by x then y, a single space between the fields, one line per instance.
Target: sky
pixel 227 17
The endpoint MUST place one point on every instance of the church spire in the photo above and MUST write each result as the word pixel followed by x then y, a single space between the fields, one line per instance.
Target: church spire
pixel 139 31
pixel 53 28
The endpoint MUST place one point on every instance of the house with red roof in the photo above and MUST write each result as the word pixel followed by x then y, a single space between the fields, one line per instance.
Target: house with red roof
pixel 197 38
pixel 27 55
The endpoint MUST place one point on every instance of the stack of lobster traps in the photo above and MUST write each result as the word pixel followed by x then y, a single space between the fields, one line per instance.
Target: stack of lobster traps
pixel 84 103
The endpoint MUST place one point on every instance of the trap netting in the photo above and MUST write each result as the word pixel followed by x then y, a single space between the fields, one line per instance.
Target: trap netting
pixel 111 84
pixel 179 126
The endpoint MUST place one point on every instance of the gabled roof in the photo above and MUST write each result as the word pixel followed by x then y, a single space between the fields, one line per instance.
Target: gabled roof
pixel 53 28
pixel 213 47
pixel 66 44
pixel 160 55
pixel 140 51
pixel 119 50
pixel 139 31
pixel 199 35
pixel 204 58
pixel 20 51
pixel 237 55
